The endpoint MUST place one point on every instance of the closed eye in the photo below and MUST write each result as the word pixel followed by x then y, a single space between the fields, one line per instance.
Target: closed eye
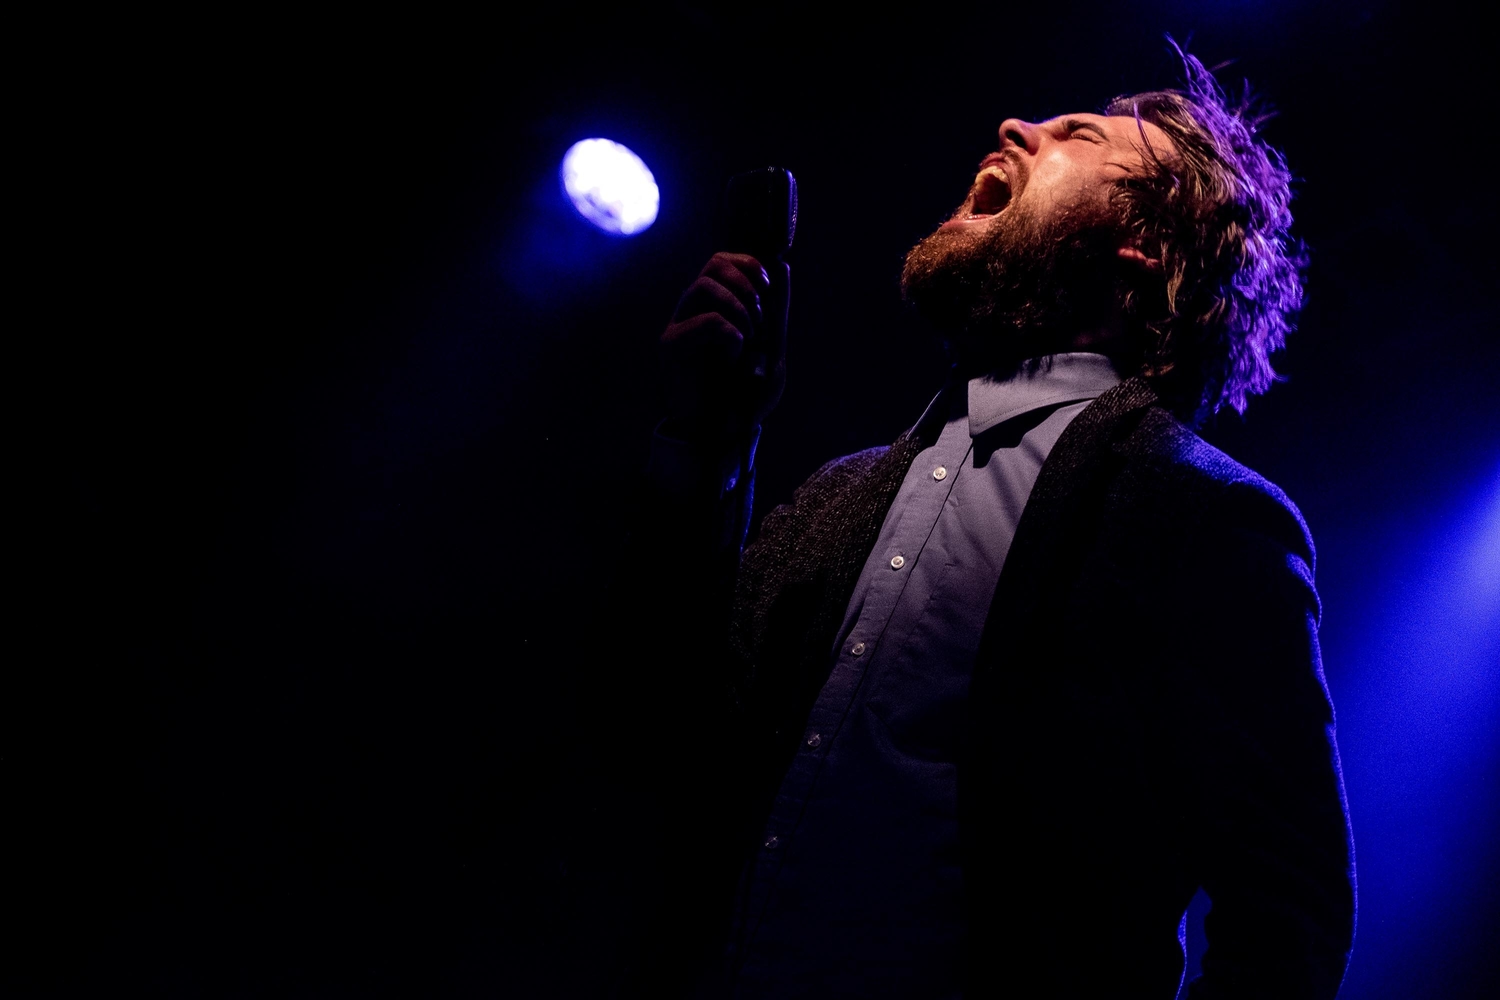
pixel 1085 130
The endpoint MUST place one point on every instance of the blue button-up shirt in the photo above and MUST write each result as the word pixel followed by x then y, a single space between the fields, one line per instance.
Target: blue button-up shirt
pixel 856 888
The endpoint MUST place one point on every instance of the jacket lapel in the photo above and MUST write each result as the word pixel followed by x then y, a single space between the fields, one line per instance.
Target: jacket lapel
pixel 1060 514
pixel 859 526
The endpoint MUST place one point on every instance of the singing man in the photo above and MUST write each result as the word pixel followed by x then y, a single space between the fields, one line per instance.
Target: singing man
pixel 978 713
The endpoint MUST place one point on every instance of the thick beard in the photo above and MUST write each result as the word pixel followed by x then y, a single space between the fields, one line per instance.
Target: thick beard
pixel 1020 289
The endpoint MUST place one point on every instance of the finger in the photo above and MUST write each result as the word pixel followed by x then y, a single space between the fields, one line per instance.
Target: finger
pixel 749 266
pixel 738 284
pixel 707 295
pixel 703 341
pixel 741 274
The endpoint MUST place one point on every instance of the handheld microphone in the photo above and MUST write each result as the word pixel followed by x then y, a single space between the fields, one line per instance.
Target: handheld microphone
pixel 761 216
pixel 762 213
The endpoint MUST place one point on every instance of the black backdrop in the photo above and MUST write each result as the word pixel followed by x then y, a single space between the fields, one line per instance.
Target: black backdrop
pixel 332 408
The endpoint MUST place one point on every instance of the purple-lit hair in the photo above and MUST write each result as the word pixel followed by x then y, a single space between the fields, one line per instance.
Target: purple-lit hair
pixel 1218 210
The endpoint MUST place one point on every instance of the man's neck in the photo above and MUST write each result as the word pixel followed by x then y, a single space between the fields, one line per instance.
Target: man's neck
pixel 1008 354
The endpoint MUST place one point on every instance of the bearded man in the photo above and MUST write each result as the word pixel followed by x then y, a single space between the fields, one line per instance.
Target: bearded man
pixel 982 710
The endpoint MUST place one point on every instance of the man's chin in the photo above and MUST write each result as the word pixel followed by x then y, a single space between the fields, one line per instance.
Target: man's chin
pixel 944 273
pixel 945 249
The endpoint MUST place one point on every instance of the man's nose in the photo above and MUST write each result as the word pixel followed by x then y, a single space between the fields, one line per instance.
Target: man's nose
pixel 1015 133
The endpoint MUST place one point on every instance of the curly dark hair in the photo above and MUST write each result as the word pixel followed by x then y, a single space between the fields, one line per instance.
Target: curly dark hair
pixel 1217 209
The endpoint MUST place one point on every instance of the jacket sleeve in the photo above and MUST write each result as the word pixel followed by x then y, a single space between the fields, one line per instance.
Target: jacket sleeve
pixel 1270 825
pixel 666 608
pixel 689 600
pixel 673 741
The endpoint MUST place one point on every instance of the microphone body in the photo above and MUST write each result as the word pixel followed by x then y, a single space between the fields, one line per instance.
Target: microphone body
pixel 761 217
pixel 762 213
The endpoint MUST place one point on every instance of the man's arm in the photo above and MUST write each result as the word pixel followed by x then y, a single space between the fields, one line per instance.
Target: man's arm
pixel 665 720
pixel 672 593
pixel 1269 822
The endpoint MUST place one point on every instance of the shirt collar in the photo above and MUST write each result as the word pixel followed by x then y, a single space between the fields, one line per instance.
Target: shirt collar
pixel 1049 381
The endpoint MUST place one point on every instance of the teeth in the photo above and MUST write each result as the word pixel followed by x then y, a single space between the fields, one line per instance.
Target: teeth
pixel 991 192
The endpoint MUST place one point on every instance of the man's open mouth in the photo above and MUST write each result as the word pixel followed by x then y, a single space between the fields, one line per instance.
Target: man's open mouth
pixel 991 193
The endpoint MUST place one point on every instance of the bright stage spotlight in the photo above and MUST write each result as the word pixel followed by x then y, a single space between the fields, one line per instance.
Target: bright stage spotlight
pixel 610 186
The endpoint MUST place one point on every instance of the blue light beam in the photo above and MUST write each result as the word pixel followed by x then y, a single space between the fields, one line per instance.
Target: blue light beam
pixel 1419 726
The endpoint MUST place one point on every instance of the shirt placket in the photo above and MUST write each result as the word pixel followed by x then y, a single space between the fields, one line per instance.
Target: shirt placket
pixel 856 652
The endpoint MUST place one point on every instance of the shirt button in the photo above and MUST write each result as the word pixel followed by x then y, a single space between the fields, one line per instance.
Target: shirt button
pixel 898 562
pixel 859 649
pixel 772 842
pixel 814 740
pixel 940 473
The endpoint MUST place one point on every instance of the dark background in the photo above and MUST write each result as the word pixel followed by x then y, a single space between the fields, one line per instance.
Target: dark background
pixel 332 407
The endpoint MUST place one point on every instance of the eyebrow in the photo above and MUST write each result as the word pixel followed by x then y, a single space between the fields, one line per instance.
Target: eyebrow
pixel 1074 125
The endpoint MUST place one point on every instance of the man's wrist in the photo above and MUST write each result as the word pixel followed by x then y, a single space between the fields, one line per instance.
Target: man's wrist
pixel 684 461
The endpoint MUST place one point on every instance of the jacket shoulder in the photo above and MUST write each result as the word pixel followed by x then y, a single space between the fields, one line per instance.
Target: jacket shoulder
pixel 1169 463
pixel 842 471
pixel 835 483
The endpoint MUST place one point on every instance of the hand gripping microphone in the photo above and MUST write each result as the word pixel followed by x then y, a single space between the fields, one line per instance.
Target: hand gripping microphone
pixel 761 215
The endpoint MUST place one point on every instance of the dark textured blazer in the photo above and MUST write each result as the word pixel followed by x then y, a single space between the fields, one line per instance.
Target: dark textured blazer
pixel 1147 716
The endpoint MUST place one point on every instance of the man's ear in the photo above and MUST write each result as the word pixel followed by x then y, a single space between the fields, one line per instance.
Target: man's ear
pixel 1136 257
